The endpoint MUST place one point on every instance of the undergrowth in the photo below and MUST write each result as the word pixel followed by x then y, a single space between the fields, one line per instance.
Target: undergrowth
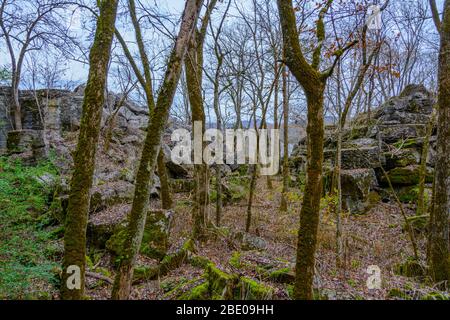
pixel 29 254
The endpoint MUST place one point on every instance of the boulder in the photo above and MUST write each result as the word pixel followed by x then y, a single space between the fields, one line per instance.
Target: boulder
pixel 356 158
pixel 406 176
pixel 110 194
pixel 154 240
pixel 250 242
pixel 401 124
pixel 401 158
pixel 102 225
pixel 28 145
pixel 396 133
pixel 358 186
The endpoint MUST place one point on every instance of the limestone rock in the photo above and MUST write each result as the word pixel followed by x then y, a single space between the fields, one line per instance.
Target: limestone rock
pixel 28 145
pixel 357 186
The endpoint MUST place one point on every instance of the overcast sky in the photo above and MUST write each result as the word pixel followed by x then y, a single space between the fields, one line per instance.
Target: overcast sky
pixel 78 71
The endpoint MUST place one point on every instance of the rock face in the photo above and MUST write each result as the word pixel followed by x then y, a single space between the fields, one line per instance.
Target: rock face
pixel 400 124
pixel 29 145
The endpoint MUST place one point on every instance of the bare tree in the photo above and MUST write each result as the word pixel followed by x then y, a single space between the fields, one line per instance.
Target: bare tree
pixel 313 82
pixel 28 26
pixel 194 78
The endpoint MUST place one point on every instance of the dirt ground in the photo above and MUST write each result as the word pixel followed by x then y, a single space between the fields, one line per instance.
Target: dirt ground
pixel 374 239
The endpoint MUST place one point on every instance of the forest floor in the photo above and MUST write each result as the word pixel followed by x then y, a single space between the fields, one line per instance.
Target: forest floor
pixel 31 245
pixel 374 239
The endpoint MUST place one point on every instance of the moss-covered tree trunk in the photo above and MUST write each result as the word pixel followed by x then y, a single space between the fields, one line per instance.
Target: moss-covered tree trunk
pixel 152 144
pixel 439 238
pixel 423 167
pixel 84 160
pixel 313 83
pixel 310 211
pixel 193 67
pixel 166 198
pixel 194 79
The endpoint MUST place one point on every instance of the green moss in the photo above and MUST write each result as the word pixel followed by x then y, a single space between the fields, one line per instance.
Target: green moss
pixel 144 272
pixel 170 284
pixel 285 275
pixel 235 260
pixel 252 290
pixel 373 198
pixel 410 142
pixel 200 292
pixel 436 296
pixel 399 293
pixel 418 223
pixel 199 261
pixel 403 176
pixel 154 240
pixel 217 279
pixel 409 268
pixel 408 194
pixel 115 243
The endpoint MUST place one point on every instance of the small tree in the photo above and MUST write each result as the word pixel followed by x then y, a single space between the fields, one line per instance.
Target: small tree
pixel 313 82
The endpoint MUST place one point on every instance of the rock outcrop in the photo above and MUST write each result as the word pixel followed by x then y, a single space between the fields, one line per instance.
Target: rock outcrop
pixel 392 138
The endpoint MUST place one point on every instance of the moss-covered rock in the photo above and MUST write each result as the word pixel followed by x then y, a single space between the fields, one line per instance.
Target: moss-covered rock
pixel 402 158
pixel 154 240
pixel 358 190
pixel 406 176
pixel 218 284
pixel 235 260
pixel 199 261
pixel 253 290
pixel 410 194
pixel 436 296
pixel 285 275
pixel 200 292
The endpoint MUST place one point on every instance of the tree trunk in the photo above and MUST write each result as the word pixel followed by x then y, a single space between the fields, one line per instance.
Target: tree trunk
pixel 17 107
pixel 439 240
pixel 152 143
pixel 253 178
pixel 284 203
pixel 193 67
pixel 313 83
pixel 423 167
pixel 166 198
pixel 310 211
pixel 84 161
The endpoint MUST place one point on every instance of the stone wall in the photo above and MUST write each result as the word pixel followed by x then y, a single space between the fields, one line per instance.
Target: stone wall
pixel 60 110
pixel 5 119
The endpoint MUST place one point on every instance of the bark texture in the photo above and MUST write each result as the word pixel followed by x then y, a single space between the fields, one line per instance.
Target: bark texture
pixel 313 83
pixel 194 80
pixel 84 160
pixel 439 237
pixel 152 144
